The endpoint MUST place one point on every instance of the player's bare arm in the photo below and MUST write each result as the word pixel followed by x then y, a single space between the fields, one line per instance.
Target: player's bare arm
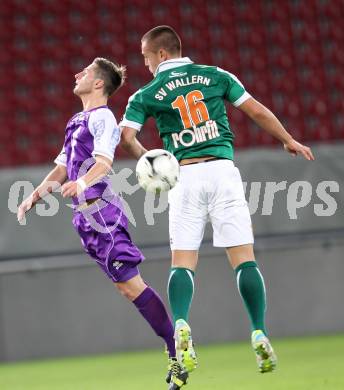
pixel 268 121
pixel 130 143
pixel 100 169
pixel 51 182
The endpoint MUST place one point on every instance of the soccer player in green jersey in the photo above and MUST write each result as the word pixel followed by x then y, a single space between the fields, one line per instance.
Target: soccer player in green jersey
pixel 187 101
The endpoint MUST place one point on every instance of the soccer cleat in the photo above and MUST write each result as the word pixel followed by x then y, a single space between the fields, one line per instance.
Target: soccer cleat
pixel 186 355
pixel 266 358
pixel 176 376
pixel 169 368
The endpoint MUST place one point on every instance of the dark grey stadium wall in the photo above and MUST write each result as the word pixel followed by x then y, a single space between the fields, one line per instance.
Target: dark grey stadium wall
pixel 63 305
pixel 301 196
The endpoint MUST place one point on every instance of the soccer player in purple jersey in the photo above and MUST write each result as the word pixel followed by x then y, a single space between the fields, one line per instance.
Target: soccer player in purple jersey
pixel 82 170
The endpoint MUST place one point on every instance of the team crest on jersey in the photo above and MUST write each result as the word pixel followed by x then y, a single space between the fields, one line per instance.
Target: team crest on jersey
pixel 116 135
pixel 99 128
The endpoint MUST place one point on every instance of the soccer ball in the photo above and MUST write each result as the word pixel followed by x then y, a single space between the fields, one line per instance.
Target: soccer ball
pixel 157 170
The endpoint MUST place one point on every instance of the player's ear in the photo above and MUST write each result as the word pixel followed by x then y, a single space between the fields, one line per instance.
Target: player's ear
pixel 99 84
pixel 163 54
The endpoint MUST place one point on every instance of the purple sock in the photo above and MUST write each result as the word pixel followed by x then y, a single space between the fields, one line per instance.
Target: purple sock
pixel 153 310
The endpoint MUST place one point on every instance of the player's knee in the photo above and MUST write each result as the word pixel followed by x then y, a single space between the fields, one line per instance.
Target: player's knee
pixel 132 288
pixel 126 290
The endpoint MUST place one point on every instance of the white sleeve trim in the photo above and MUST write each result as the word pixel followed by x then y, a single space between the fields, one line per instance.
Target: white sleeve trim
pixel 103 126
pixel 59 162
pixel 61 159
pixel 134 125
pixel 241 99
pixel 97 153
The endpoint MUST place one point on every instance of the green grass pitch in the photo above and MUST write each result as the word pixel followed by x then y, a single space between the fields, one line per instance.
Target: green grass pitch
pixel 315 363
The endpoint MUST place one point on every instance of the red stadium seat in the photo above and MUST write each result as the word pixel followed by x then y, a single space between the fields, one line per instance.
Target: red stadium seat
pixel 301 10
pixel 330 9
pixel 288 54
pixel 273 11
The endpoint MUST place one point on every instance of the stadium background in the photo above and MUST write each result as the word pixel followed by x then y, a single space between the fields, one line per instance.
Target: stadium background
pixel 289 55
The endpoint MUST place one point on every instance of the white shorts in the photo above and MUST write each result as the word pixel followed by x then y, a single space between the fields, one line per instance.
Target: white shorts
pixel 210 191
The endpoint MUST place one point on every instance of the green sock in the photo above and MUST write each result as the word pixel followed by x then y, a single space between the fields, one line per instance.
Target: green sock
pixel 252 290
pixel 180 292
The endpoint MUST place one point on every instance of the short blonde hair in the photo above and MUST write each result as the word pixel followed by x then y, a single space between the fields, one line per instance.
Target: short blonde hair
pixel 163 37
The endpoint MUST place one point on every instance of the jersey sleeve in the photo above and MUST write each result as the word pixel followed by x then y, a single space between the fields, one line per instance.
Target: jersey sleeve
pixel 61 159
pixel 135 113
pixel 235 92
pixel 103 126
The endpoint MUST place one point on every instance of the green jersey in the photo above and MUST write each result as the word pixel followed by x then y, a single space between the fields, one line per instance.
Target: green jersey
pixel 188 103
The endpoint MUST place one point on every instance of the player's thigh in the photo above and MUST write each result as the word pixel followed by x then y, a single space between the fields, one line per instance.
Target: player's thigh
pixel 229 212
pixel 185 259
pixel 232 227
pixel 106 239
pixel 187 216
pixel 240 254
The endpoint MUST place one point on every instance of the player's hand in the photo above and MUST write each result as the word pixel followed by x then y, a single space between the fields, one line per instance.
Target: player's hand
pixel 70 189
pixel 293 147
pixel 24 207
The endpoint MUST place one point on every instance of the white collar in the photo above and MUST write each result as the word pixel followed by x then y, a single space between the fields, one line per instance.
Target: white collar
pixel 172 63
